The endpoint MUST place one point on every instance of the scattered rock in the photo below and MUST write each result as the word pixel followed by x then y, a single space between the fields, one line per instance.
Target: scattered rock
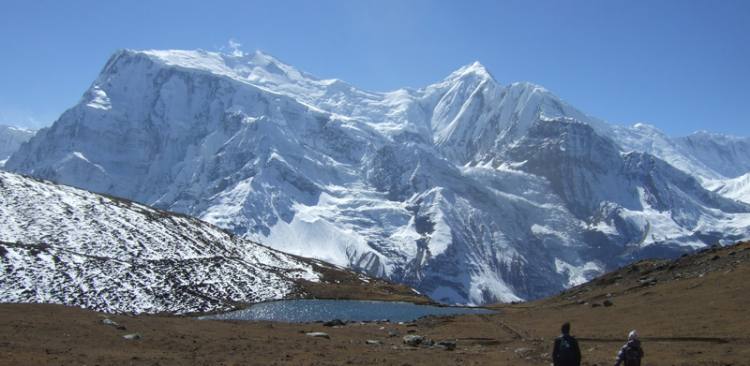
pixel 413 340
pixel 523 352
pixel 446 345
pixel 373 342
pixel 411 331
pixel 110 322
pixel 607 303
pixel 132 336
pixel 318 335
pixel 334 323
pixel 393 333
pixel 595 304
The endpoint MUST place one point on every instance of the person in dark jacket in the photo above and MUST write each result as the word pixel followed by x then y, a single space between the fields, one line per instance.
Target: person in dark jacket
pixel 631 353
pixel 566 351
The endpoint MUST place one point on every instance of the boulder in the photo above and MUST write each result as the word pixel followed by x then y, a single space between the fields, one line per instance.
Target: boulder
pixel 523 352
pixel 448 345
pixel 132 336
pixel 334 323
pixel 110 322
pixel 318 335
pixel 413 340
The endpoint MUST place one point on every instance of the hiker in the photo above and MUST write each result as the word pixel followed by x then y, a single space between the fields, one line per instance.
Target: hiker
pixel 631 353
pixel 566 351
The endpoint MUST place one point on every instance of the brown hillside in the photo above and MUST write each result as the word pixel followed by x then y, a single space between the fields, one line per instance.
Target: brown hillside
pixel 690 311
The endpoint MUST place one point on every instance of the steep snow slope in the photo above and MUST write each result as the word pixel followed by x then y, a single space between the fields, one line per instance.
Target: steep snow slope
pixel 735 188
pixel 646 138
pixel 727 155
pixel 707 156
pixel 11 139
pixel 467 189
pixel 63 245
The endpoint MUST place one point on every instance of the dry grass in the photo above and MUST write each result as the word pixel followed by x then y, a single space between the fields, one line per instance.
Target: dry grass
pixel 692 311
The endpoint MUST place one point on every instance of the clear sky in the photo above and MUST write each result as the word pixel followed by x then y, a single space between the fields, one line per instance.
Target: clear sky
pixel 681 65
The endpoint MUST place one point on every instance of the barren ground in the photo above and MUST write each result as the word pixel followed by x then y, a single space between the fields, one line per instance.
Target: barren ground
pixel 691 311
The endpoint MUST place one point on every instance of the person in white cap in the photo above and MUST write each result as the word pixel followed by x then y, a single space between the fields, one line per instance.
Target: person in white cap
pixel 631 353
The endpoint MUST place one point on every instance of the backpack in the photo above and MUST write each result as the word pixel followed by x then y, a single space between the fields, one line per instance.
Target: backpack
pixel 566 349
pixel 631 355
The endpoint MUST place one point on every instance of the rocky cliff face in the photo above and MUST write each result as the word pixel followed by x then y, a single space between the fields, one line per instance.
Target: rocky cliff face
pixel 467 189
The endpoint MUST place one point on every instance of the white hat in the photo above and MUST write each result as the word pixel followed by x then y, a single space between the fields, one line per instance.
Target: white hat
pixel 633 335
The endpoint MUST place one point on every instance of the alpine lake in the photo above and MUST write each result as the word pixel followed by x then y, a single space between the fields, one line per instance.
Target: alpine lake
pixel 308 311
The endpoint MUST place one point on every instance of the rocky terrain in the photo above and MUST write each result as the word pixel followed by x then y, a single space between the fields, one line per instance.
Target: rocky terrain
pixel 63 245
pixel 469 190
pixel 689 311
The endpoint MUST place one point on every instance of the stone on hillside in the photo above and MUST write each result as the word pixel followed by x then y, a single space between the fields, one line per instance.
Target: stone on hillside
pixel 132 336
pixel 110 322
pixel 334 323
pixel 318 335
pixel 413 340
pixel 523 352
pixel 447 345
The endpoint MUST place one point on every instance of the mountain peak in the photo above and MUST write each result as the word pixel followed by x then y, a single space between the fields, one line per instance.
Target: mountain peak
pixel 475 69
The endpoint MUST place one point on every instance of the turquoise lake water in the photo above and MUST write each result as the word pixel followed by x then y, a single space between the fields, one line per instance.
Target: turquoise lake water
pixel 302 311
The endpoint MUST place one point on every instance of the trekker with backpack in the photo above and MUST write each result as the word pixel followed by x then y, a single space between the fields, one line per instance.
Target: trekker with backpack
pixel 631 353
pixel 566 351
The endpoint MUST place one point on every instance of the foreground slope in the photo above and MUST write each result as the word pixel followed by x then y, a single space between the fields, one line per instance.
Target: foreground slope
pixel 689 311
pixel 63 245
pixel 468 190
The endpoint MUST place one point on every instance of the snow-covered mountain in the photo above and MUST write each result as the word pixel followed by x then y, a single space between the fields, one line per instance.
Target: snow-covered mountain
pixel 63 245
pixel 727 155
pixel 468 190
pixel 735 188
pixel 707 156
pixel 11 139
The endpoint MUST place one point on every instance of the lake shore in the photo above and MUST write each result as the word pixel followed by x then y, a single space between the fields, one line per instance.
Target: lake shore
pixel 691 311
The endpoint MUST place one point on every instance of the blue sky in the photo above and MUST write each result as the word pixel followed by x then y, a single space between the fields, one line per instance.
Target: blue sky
pixel 680 65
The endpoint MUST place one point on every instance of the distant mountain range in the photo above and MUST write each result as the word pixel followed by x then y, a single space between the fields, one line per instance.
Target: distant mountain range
pixel 467 189
pixel 11 139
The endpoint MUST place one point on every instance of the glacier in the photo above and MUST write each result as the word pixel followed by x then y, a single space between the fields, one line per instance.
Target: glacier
pixel 469 190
